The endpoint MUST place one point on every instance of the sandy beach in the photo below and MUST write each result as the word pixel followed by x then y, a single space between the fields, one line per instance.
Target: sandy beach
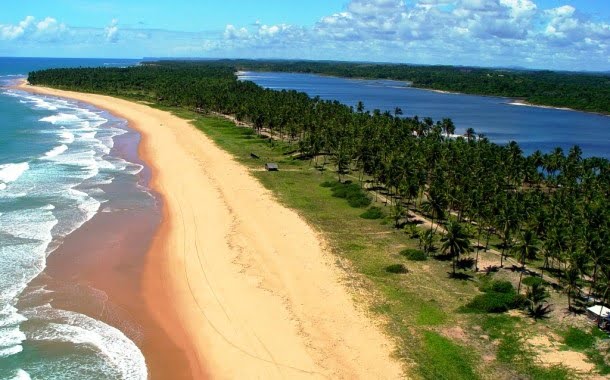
pixel 241 284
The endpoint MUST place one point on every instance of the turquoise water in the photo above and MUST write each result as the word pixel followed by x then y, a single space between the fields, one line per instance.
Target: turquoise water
pixel 56 157
pixel 500 119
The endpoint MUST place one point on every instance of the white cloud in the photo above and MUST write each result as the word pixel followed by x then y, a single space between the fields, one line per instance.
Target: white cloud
pixel 11 32
pixel 46 30
pixel 112 31
pixel 478 32
pixel 231 32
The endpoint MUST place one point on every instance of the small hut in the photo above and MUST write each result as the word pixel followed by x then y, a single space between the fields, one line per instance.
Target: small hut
pixel 272 167
pixel 599 313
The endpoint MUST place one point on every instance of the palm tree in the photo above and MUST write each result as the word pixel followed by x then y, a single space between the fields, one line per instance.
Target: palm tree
pixel 360 107
pixel 470 134
pixel 455 242
pixel 426 241
pixel 537 306
pixel 397 213
pixel 448 126
pixel 527 249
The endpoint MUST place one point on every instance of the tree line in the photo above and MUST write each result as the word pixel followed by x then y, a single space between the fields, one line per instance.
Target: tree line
pixel 549 208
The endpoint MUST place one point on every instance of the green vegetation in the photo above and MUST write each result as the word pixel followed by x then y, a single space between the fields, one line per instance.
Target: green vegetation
pixel 445 359
pixel 373 212
pixel 578 339
pixel 551 211
pixel 529 281
pixel 397 268
pixel 536 301
pixel 414 254
pixel 498 297
pixel 352 192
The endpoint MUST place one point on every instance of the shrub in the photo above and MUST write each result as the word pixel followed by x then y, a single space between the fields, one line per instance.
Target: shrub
pixel 530 281
pixel 492 303
pixel 372 213
pixel 358 201
pixel 414 254
pixel 499 297
pixel 505 287
pixel 397 268
pixel 354 195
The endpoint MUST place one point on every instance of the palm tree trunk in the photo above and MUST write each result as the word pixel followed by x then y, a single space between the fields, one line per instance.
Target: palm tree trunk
pixel 593 281
pixel 521 274
pixel 453 265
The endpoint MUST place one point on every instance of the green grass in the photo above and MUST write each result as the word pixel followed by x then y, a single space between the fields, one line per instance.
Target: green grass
pixel 444 359
pixel 578 340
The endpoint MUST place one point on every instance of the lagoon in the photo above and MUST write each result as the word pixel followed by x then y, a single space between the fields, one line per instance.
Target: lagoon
pixel 500 119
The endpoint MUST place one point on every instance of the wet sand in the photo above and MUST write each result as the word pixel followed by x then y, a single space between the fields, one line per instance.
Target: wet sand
pixel 256 292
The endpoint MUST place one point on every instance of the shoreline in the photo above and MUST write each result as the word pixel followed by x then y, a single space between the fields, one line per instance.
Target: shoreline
pixel 105 256
pixel 266 295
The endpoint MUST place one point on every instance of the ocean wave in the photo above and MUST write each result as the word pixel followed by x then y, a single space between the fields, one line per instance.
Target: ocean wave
pixel 10 341
pixel 21 375
pixel 12 172
pixel 22 231
pixel 56 151
pixel 62 118
pixel 66 137
pixel 36 101
pixel 66 326
pixel 86 203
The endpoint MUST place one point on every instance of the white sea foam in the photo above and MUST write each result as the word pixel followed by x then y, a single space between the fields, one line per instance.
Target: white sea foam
pixel 66 326
pixel 11 172
pixel 62 118
pixel 66 137
pixel 87 204
pixel 23 231
pixel 56 151
pixel 21 375
pixel 36 101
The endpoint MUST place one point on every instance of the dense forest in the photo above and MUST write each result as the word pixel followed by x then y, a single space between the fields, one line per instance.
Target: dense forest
pixel 550 208
pixel 585 92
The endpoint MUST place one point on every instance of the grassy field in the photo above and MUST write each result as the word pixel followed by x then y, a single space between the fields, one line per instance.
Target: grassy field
pixel 420 308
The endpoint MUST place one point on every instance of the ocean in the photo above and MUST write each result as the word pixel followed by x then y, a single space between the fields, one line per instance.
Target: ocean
pixel 57 162
pixel 500 119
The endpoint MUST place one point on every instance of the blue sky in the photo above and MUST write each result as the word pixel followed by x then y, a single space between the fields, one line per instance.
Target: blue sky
pixel 554 34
